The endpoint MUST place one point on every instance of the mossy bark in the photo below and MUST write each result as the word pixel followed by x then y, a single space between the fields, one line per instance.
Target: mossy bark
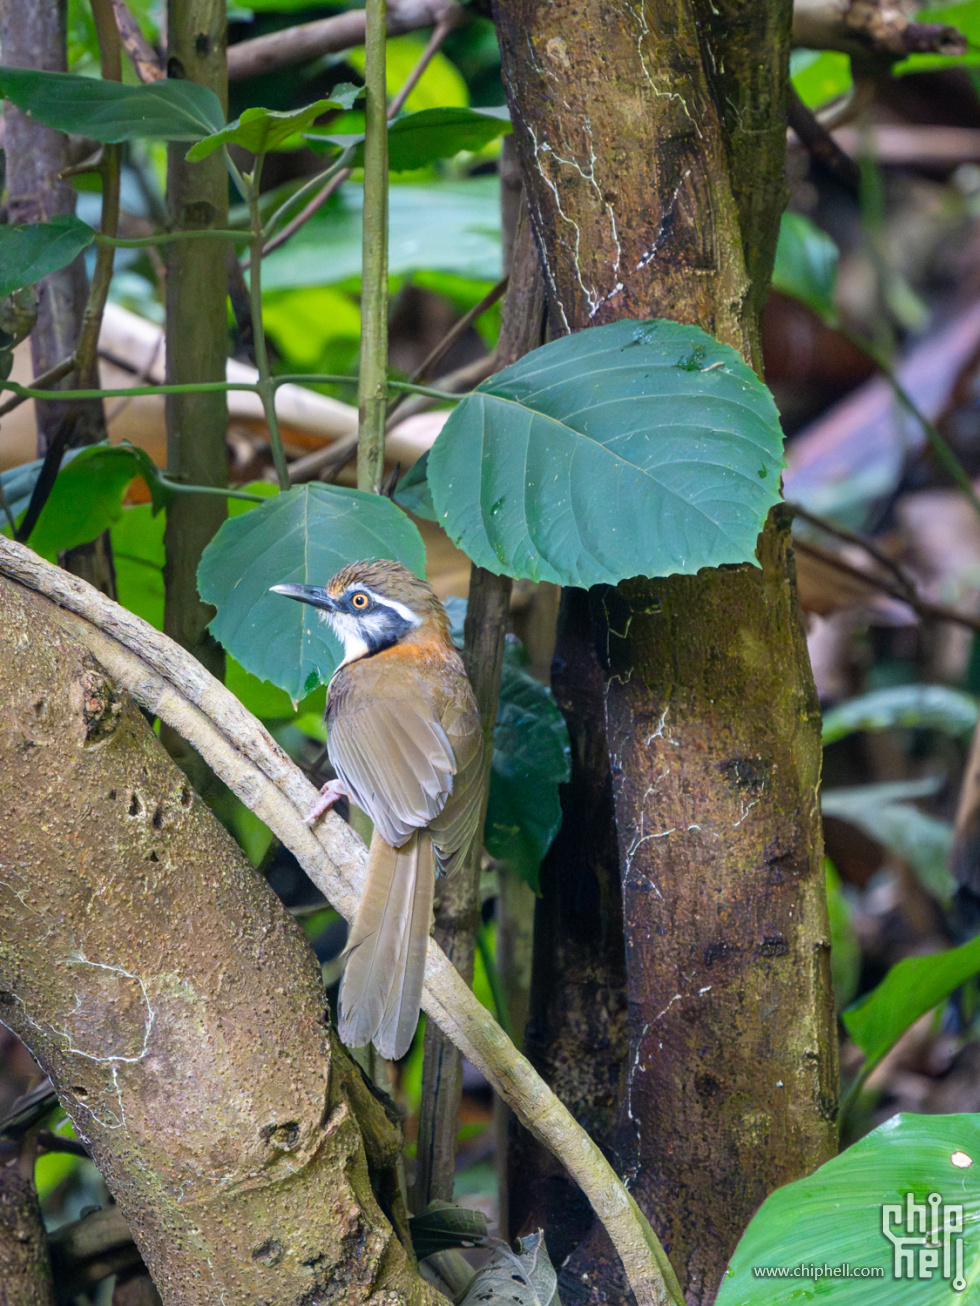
pixel 177 1008
pixel 652 138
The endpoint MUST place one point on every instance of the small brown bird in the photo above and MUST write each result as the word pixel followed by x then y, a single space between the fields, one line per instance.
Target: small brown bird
pixel 403 734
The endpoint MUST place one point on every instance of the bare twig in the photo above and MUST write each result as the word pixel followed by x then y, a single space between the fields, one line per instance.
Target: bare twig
pixel 456 382
pixel 927 611
pixel 454 333
pixel 173 685
pixel 143 57
pixel 45 381
pixel 875 28
pixel 820 145
pixel 904 581
pixel 306 41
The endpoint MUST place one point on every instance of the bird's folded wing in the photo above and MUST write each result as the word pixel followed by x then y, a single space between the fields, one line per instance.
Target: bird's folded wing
pixel 390 750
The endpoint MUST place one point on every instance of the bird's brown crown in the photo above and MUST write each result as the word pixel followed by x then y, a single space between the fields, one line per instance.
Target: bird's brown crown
pixel 391 580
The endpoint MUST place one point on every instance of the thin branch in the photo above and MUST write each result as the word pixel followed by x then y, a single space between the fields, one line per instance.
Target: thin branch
pixel 455 332
pixel 852 537
pixel 331 35
pixel 266 389
pixel 47 380
pixel 926 610
pixel 173 685
pixel 335 180
pixel 143 57
pixel 452 385
pixel 819 143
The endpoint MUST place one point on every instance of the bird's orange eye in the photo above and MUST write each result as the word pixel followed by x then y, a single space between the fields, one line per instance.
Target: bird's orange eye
pixel 359 601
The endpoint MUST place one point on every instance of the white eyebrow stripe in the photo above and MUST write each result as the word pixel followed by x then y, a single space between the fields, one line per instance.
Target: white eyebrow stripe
pixel 393 605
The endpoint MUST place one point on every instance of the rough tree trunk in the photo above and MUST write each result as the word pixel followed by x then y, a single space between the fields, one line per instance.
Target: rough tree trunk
pixel 32 34
pixel 197 342
pixel 652 139
pixel 176 1007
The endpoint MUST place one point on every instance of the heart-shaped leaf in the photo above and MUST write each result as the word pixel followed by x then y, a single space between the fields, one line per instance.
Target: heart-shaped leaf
pixel 31 251
pixel 417 139
pixel 261 130
pixel 850 1234
pixel 635 448
pixel 302 536
pixel 171 110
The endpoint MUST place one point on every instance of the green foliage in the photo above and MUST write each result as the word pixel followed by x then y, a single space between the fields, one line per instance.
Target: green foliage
pixel 820 76
pixel 447 226
pixel 966 18
pixel 910 989
pixel 172 110
pixel 31 251
pixel 531 758
pixel 806 266
pixel 934 707
pixel 260 130
pixel 315 330
pixel 416 140
pixel 884 813
pixel 413 492
pixel 86 497
pixel 834 1217
pixel 442 1225
pixel 635 448
pixel 845 951
pixel 439 86
pixel 301 536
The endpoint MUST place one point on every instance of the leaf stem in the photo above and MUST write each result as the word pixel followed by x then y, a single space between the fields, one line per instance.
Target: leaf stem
pixel 372 386
pixel 170 237
pixel 127 392
pixel 178 487
pixel 266 385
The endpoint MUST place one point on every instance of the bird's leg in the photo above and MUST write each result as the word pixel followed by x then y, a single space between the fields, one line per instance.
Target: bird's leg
pixel 329 794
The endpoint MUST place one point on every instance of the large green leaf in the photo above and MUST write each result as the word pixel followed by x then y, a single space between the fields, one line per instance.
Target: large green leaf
pixel 935 707
pixel 812 1229
pixel 417 139
pixel 171 110
pixel 884 813
pixel 446 226
pixel 635 448
pixel 531 758
pixel 261 130
pixel 31 251
pixel 301 536
pixel 86 498
pixel 806 265
pixel 910 989
pixel 442 1225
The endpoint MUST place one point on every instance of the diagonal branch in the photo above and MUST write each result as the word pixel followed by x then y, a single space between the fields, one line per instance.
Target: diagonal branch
pixel 170 683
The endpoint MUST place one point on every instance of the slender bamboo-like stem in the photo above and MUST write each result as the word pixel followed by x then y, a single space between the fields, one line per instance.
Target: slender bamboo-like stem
pixel 266 387
pixel 372 386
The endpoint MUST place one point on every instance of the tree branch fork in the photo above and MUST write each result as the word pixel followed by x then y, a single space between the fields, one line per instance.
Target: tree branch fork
pixel 171 684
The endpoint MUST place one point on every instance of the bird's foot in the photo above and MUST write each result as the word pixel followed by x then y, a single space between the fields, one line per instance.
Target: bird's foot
pixel 329 794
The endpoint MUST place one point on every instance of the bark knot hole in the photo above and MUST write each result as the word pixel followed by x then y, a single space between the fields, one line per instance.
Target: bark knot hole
pixel 269 1252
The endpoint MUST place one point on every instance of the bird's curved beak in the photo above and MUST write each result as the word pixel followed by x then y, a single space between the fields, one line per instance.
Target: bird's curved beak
pixel 315 595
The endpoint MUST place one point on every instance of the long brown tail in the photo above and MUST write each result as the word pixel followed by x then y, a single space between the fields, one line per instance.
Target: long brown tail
pixel 381 991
